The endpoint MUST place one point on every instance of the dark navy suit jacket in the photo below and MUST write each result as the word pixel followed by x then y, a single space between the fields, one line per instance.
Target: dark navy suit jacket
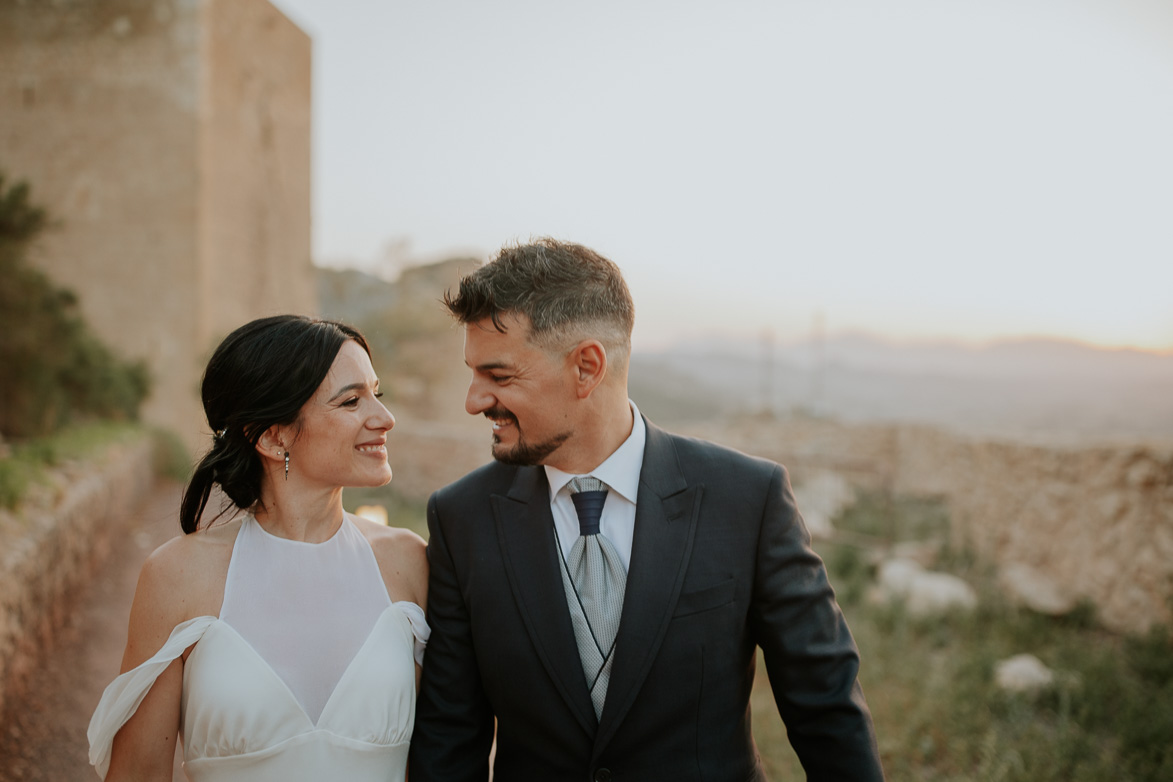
pixel 720 564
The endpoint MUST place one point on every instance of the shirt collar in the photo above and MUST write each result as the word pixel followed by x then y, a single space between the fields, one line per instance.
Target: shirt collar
pixel 620 471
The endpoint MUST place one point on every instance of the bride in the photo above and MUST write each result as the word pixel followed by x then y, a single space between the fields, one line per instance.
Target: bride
pixel 284 642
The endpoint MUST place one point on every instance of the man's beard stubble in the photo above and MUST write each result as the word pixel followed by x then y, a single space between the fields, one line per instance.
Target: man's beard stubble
pixel 524 454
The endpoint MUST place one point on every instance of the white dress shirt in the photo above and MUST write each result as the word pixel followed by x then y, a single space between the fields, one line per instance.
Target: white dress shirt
pixel 620 472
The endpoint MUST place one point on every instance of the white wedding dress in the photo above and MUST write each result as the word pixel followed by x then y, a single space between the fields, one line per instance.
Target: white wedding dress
pixel 307 674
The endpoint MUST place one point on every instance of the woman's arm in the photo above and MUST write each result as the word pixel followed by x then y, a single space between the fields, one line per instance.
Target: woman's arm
pixel 181 580
pixel 144 748
pixel 403 562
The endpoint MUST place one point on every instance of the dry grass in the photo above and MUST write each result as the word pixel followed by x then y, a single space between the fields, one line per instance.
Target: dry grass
pixel 930 682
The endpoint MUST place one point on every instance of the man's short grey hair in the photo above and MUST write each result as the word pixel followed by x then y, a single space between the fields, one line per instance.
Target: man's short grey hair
pixel 567 291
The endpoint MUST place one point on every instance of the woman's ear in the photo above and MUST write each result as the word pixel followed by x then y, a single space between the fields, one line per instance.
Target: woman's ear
pixel 590 366
pixel 272 444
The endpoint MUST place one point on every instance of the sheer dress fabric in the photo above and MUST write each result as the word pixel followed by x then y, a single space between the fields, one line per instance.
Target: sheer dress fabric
pixel 308 673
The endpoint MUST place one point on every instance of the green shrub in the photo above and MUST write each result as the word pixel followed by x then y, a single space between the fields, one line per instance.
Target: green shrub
pixel 55 370
pixel 14 481
pixel 31 460
pixel 171 456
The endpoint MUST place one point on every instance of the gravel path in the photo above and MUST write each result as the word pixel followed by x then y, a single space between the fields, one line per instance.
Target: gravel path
pixel 43 735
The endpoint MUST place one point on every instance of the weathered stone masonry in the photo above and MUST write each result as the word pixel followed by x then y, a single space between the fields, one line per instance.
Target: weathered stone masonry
pixel 171 140
pixel 51 543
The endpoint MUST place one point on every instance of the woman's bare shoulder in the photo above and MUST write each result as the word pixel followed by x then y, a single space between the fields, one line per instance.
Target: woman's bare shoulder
pixel 180 580
pixel 188 556
pixel 188 571
pixel 402 557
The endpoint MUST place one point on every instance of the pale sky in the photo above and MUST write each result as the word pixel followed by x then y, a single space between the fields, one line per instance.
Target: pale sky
pixel 917 169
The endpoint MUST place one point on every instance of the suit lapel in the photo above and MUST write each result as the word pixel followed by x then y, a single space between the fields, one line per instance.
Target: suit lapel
pixel 665 524
pixel 525 529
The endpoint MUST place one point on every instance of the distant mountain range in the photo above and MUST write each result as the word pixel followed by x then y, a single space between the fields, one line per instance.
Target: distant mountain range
pixel 1041 390
pixel 1035 389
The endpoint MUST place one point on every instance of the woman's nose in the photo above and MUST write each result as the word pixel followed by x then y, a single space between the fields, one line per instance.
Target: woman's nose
pixel 384 419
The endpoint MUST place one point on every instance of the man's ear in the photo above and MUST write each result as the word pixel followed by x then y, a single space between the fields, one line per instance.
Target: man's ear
pixel 272 444
pixel 590 366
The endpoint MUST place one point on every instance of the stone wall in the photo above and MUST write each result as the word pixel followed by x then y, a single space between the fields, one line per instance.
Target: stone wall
pixel 170 139
pixel 254 168
pixel 50 545
pixel 1092 523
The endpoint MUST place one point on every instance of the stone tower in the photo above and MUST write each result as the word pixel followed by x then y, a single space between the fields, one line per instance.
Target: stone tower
pixel 170 139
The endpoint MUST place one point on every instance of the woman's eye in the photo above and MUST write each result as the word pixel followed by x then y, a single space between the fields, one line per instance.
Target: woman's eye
pixel 378 395
pixel 352 402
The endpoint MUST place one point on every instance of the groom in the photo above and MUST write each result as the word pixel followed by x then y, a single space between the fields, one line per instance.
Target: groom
pixel 600 589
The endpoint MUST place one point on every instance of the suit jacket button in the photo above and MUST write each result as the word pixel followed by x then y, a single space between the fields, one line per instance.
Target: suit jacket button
pixel 603 775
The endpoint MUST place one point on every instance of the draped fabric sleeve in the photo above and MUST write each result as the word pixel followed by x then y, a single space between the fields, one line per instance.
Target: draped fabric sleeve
pixel 419 627
pixel 123 696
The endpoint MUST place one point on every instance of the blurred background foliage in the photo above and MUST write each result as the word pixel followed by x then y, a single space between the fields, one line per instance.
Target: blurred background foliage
pixel 56 371
pixel 63 392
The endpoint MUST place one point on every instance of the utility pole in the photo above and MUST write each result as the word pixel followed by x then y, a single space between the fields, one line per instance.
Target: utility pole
pixel 818 364
pixel 767 373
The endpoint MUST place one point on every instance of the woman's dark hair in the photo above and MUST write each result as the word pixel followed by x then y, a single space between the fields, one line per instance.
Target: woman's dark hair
pixel 260 376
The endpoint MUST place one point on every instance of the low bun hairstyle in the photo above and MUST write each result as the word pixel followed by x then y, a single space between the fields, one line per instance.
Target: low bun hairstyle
pixel 260 376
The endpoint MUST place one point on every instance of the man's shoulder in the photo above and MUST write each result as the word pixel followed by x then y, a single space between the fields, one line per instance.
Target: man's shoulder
pixel 695 452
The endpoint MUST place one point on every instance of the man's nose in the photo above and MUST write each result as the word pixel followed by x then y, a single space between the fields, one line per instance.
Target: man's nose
pixel 478 399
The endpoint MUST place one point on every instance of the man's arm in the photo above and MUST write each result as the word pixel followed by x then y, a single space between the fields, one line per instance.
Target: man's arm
pixel 453 722
pixel 809 652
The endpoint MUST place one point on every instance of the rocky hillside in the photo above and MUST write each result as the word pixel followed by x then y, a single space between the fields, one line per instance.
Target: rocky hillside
pixel 417 349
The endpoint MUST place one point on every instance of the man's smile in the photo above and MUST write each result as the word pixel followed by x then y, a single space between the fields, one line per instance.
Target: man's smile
pixel 500 418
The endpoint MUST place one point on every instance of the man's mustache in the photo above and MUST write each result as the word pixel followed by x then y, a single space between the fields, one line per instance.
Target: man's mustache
pixel 501 414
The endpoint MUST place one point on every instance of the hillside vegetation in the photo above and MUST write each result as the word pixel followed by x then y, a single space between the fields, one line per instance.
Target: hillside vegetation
pixel 55 369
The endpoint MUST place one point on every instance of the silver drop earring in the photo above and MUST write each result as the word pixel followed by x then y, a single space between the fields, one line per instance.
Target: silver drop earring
pixel 287 465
